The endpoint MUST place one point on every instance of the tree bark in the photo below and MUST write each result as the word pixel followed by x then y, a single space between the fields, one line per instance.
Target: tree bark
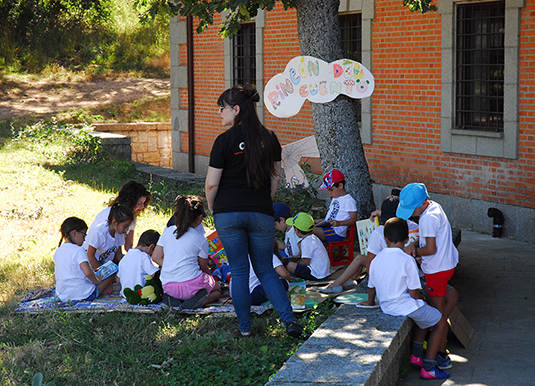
pixel 335 123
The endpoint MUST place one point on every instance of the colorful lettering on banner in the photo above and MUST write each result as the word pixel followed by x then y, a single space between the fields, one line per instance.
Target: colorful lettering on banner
pixel 323 88
pixel 294 76
pixel 313 68
pixel 338 71
pixel 287 88
pixel 349 86
pixel 303 69
pixel 273 96
pixel 324 82
pixel 336 88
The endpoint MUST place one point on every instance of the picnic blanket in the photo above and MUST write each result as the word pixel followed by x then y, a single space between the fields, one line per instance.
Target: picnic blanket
pixel 46 300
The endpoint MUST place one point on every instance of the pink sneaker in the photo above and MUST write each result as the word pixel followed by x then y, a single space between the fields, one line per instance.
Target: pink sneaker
pixel 434 373
pixel 417 362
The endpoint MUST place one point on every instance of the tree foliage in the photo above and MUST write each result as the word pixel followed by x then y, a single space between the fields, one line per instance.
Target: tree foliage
pixel 239 11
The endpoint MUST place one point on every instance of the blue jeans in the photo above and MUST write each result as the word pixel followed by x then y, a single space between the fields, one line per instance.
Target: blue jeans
pixel 245 234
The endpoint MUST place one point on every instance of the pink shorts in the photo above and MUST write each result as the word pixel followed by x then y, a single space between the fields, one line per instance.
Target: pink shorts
pixel 186 289
pixel 437 283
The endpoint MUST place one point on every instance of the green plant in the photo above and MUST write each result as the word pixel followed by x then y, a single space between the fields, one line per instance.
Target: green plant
pixel 38 381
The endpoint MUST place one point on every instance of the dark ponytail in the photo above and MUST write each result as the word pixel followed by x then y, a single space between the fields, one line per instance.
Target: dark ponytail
pixel 187 209
pixel 71 224
pixel 120 213
pixel 261 145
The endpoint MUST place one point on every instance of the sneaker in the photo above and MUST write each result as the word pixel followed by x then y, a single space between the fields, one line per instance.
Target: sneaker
pixel 245 333
pixel 417 362
pixel 331 290
pixel 294 330
pixel 349 284
pixel 443 363
pixel 434 373
pixel 171 301
pixel 196 301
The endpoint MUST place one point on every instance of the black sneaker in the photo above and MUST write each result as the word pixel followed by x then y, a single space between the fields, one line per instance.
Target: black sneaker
pixel 196 301
pixel 294 330
pixel 171 301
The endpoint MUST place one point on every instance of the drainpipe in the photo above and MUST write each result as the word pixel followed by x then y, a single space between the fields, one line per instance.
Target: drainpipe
pixel 191 97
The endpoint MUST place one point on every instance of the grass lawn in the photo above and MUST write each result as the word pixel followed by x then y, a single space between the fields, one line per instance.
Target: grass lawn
pixel 40 186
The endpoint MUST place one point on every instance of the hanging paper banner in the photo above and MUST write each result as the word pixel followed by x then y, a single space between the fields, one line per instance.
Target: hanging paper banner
pixel 310 78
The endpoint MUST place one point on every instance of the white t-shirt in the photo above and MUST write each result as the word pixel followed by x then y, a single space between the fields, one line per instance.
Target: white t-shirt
pixel 291 243
pixel 376 241
pixel 106 246
pixel 393 273
pixel 133 268
pixel 181 257
pixel 434 223
pixel 312 248
pixel 103 217
pixel 71 282
pixel 253 279
pixel 339 210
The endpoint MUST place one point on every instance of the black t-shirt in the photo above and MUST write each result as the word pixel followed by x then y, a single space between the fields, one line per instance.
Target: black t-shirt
pixel 234 194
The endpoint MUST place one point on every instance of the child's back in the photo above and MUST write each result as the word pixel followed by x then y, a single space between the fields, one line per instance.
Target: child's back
pixel 133 268
pixel 434 223
pixel 313 249
pixel 71 282
pixel 393 273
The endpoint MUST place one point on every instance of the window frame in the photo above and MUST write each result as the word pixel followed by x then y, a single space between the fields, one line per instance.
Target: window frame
pixel 483 143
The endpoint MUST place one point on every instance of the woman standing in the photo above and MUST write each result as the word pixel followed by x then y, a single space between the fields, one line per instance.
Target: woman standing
pixel 243 176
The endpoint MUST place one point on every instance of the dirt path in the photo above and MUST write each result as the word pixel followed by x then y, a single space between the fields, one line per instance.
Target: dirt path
pixel 23 97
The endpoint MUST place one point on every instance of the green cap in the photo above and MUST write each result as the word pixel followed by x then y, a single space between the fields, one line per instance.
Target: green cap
pixel 302 221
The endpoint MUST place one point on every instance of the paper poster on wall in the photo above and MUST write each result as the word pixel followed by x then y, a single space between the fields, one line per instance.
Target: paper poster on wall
pixel 310 78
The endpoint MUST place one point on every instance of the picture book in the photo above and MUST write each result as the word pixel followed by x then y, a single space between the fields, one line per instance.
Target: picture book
pixel 215 249
pixel 106 270
pixel 364 229
pixel 298 291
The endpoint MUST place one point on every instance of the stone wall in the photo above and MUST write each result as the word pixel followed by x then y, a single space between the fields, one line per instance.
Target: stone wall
pixel 151 142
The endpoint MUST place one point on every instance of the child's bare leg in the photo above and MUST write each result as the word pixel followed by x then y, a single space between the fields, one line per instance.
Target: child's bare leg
pixel 439 303
pixel 371 299
pixel 215 294
pixel 435 339
pixel 318 231
pixel 353 269
pixel 450 301
pixel 291 267
pixel 105 284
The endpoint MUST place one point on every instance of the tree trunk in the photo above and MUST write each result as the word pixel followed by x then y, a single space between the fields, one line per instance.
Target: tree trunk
pixel 335 123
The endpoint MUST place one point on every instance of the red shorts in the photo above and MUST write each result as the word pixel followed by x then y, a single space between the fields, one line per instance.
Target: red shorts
pixel 437 283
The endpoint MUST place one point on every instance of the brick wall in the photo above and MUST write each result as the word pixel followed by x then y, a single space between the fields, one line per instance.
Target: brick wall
pixel 406 105
pixel 151 142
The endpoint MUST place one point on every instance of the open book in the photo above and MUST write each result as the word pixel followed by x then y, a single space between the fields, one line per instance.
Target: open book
pixel 364 229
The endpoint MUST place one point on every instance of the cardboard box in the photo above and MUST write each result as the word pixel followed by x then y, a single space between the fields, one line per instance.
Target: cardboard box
pixel 460 327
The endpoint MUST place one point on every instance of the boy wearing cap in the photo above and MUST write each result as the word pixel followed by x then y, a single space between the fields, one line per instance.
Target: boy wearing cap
pixel 290 246
pixel 435 246
pixel 314 263
pixel 342 210
pixel 394 275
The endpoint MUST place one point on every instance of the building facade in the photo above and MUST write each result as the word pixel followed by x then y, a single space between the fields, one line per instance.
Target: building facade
pixel 453 107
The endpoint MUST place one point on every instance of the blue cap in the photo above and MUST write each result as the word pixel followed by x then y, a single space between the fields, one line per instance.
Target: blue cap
pixel 281 210
pixel 411 197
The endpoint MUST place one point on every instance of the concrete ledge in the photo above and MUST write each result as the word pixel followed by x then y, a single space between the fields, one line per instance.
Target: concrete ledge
pixel 355 346
pixel 170 176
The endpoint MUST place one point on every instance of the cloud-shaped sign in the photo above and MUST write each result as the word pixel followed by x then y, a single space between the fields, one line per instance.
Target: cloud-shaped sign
pixel 310 78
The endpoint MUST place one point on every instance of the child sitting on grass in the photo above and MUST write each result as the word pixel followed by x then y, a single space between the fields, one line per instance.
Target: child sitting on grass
pixel 342 210
pixel 290 246
pixel 75 280
pixel 136 264
pixel 182 254
pixel 314 263
pixel 104 241
pixel 394 275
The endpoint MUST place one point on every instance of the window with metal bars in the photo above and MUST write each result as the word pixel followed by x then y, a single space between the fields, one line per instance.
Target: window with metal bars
pixel 244 55
pixel 480 66
pixel 351 38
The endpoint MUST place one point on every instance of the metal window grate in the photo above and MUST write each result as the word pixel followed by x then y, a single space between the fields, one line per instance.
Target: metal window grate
pixel 351 38
pixel 480 66
pixel 244 55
